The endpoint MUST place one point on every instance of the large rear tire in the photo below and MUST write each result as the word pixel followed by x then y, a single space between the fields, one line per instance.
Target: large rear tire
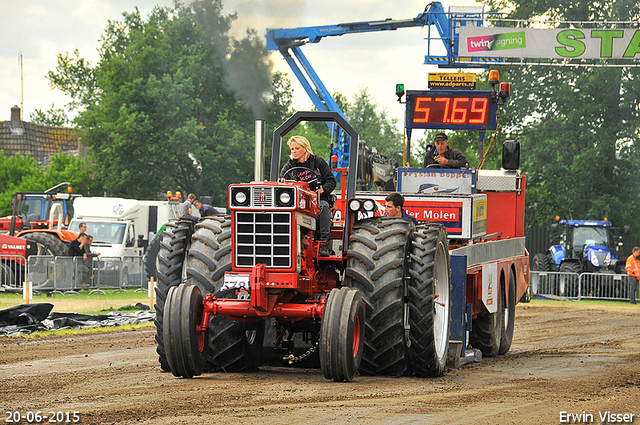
pixel 377 268
pixel 185 348
pixel 150 258
pixel 567 284
pixel 541 263
pixel 342 334
pixel 47 243
pixel 509 313
pixel 173 245
pixel 429 300
pixel 232 346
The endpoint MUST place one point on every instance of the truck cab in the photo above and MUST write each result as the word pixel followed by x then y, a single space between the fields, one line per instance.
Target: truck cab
pixel 120 227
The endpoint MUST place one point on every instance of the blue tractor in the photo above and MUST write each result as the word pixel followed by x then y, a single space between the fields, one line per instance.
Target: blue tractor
pixel 582 246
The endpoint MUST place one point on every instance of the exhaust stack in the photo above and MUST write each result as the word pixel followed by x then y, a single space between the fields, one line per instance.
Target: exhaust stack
pixel 258 170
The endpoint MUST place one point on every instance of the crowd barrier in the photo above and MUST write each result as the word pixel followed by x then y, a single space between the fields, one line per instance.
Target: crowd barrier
pixel 65 274
pixel 601 286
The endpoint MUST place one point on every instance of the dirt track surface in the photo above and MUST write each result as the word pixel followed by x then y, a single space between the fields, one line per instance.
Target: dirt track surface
pixel 570 359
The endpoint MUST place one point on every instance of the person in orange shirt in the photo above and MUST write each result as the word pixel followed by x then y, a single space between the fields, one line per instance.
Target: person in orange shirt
pixel 632 267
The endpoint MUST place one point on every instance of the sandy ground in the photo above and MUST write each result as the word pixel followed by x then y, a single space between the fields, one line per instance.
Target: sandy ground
pixel 564 358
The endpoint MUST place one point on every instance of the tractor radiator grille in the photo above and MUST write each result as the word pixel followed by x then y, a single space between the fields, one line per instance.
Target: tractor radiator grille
pixel 263 238
pixel 601 257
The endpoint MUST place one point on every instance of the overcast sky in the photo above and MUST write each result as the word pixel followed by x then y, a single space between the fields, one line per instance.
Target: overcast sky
pixel 39 30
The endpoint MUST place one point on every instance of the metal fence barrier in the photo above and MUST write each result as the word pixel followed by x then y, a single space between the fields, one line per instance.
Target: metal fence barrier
pixel 65 274
pixel 602 286
pixel 12 271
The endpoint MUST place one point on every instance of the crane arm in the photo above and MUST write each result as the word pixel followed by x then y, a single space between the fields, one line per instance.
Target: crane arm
pixel 434 14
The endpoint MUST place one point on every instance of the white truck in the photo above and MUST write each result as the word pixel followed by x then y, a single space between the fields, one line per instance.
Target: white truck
pixel 123 228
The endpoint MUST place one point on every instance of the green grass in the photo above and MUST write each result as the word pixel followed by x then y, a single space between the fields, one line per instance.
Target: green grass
pixel 83 303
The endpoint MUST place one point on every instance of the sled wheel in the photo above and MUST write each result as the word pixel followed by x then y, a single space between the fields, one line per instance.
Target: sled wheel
pixel 184 345
pixel 342 334
pixel 509 313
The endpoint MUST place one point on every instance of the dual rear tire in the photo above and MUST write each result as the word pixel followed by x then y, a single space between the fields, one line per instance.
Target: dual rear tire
pixel 403 274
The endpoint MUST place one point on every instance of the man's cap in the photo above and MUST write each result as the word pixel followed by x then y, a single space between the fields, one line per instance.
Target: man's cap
pixel 440 137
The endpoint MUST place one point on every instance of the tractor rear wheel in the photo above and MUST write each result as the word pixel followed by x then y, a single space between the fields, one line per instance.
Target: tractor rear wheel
pixel 568 285
pixel 232 346
pixel 150 258
pixel 47 243
pixel 429 300
pixel 173 244
pixel 541 263
pixel 509 306
pixel 185 347
pixel 342 334
pixel 377 268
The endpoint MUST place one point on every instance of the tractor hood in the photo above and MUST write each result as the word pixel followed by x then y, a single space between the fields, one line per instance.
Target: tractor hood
pixel 599 255
pixel 12 246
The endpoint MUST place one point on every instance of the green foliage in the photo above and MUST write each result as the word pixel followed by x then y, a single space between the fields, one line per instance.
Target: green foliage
pixel 374 125
pixel 20 174
pixel 171 103
pixel 55 117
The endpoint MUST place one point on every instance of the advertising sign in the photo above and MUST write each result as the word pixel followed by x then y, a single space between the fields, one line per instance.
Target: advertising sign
pixel 553 43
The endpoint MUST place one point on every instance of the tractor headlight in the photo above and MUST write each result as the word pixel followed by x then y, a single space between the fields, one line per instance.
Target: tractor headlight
pixel 240 196
pixel 593 258
pixel 607 259
pixel 354 205
pixel 284 197
pixel 369 205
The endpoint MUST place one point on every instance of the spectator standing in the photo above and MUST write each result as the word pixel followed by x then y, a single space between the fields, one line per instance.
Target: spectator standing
pixel 185 207
pixel 632 266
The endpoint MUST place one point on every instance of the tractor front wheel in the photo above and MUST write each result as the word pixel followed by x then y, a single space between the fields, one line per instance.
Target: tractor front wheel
pixel 184 344
pixel 342 334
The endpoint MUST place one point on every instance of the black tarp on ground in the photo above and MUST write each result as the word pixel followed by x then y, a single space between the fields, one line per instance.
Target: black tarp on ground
pixel 24 319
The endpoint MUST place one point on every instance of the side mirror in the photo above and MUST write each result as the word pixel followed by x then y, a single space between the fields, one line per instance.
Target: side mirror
pixel 511 155
pixel 627 229
pixel 555 227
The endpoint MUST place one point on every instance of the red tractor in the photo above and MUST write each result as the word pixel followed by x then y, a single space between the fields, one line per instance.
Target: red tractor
pixel 381 305
pixel 37 226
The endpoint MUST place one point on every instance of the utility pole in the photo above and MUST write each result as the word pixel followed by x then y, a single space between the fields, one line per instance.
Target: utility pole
pixel 21 85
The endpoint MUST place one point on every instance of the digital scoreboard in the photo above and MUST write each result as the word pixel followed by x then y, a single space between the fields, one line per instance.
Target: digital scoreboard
pixel 451 110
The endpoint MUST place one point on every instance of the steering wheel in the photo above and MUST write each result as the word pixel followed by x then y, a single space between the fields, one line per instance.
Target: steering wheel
pixel 314 183
pixel 437 165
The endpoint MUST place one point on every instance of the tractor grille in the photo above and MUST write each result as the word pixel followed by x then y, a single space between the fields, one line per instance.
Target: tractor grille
pixel 263 238
pixel 601 256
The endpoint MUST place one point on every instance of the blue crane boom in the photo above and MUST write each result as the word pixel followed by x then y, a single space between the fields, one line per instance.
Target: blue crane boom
pixel 289 41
